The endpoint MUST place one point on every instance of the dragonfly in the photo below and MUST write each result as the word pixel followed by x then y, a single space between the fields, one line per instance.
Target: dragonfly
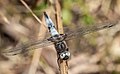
pixel 56 38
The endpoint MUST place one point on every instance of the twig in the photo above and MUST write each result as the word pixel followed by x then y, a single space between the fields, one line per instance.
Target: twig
pixel 35 60
pixel 37 52
pixel 63 65
pixel 23 2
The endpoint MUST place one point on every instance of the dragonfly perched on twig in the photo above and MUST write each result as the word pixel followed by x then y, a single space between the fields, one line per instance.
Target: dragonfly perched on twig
pixel 58 39
pixel 24 47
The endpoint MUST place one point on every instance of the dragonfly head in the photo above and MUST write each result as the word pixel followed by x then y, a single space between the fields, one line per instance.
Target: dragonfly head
pixel 65 55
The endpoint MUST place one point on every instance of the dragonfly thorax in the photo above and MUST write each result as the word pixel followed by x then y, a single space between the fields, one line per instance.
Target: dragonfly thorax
pixel 60 46
pixel 62 50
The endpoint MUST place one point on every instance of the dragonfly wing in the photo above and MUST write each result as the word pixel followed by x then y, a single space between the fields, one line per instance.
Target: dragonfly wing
pixel 23 48
pixel 86 30
pixel 72 34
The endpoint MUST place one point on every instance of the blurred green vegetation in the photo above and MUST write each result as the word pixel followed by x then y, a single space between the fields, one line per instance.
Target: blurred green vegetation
pixel 67 14
pixel 40 7
pixel 68 6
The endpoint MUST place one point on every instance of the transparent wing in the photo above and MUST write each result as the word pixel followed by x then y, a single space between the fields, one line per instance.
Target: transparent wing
pixel 85 30
pixel 22 48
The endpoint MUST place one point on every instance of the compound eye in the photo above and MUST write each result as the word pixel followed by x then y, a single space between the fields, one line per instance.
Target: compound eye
pixel 67 53
pixel 62 55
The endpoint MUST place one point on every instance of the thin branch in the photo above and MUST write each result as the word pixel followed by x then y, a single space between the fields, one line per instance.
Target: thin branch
pixel 23 2
pixel 37 52
pixel 63 64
